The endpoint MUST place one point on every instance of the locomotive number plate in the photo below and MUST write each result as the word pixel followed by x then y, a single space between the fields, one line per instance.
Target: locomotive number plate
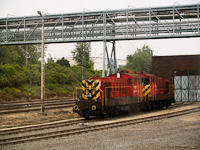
pixel 88 95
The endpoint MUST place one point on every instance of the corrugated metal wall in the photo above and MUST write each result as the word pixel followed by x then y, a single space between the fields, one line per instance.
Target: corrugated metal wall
pixel 187 86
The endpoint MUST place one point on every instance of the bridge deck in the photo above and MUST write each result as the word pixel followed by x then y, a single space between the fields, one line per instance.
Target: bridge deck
pixel 128 24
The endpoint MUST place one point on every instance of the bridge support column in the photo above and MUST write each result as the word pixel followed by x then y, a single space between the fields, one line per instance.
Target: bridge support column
pixel 111 61
pixel 104 53
pixel 104 44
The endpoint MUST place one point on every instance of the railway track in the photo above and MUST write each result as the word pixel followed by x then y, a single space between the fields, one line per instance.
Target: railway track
pixel 44 126
pixel 88 128
pixel 34 106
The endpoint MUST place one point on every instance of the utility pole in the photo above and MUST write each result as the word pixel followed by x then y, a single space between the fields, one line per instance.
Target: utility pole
pixel 82 61
pixel 26 54
pixel 42 66
pixel 30 80
pixel 84 64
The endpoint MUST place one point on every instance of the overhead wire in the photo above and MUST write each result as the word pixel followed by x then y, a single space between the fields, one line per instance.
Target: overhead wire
pixel 121 48
pixel 132 45
pixel 98 56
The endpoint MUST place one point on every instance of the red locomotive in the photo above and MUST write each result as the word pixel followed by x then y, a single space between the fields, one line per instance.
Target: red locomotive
pixel 125 91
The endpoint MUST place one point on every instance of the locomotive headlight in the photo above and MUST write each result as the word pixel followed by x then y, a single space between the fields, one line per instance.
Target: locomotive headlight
pixel 93 107
pixel 75 107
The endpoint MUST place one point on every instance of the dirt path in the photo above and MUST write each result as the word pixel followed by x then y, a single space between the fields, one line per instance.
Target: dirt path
pixel 28 118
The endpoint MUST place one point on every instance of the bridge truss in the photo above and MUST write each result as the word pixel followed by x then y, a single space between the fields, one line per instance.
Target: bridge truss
pixel 128 24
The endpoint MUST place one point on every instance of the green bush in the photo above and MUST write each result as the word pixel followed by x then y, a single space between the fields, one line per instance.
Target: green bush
pixel 59 80
pixel 12 75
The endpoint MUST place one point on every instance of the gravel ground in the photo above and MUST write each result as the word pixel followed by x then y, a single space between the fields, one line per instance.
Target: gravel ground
pixel 174 133
pixel 178 133
pixel 31 118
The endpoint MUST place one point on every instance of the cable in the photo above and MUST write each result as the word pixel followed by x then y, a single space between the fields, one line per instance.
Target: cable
pixel 121 48
pixel 97 57
pixel 132 45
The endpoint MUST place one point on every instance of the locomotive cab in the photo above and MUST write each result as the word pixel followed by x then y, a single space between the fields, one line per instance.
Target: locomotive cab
pixel 148 85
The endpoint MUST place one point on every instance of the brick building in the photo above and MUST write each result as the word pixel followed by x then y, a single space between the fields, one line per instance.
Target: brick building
pixel 164 66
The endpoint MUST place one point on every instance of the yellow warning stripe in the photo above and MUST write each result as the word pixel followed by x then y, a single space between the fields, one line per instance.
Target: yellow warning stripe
pixel 91 89
pixel 146 90
pixel 146 87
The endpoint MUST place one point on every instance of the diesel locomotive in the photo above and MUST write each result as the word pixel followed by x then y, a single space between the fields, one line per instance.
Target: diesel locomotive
pixel 125 91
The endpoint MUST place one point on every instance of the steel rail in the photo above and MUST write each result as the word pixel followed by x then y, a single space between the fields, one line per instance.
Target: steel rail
pixel 31 105
pixel 41 126
pixel 36 109
pixel 36 101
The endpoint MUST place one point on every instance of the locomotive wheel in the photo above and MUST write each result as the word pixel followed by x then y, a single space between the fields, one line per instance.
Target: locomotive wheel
pixel 153 105
pixel 161 104
pixel 147 106
pixel 87 116
pixel 166 103
pixel 134 108
pixel 170 102
pixel 142 106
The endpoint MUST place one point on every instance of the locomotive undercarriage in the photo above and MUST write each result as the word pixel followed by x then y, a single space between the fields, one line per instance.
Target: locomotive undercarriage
pixel 86 108
pixel 115 107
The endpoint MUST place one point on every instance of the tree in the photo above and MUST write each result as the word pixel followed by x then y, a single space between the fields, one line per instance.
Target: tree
pixel 63 62
pixel 19 54
pixel 50 59
pixel 35 51
pixel 140 60
pixel 77 54
pixel 8 54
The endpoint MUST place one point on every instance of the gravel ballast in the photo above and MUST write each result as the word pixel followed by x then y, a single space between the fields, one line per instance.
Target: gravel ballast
pixel 177 133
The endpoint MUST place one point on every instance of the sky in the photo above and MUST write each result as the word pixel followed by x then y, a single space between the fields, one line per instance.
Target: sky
pixel 160 47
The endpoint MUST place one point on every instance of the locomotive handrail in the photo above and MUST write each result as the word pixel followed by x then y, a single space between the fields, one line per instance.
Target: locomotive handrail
pixel 116 87
pixel 73 95
pixel 171 91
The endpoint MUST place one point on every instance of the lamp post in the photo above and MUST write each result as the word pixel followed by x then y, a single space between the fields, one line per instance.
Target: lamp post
pixel 42 66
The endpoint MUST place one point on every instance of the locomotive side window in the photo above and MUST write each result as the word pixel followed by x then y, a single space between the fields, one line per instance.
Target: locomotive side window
pixel 130 81
pixel 122 87
pixel 135 81
pixel 145 81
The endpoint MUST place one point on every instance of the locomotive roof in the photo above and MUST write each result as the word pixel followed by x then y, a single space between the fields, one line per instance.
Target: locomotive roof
pixel 138 73
pixel 143 73
pixel 133 75
pixel 110 78
pixel 128 73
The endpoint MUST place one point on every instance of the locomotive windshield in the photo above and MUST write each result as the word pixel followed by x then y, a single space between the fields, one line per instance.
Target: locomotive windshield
pixel 145 81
